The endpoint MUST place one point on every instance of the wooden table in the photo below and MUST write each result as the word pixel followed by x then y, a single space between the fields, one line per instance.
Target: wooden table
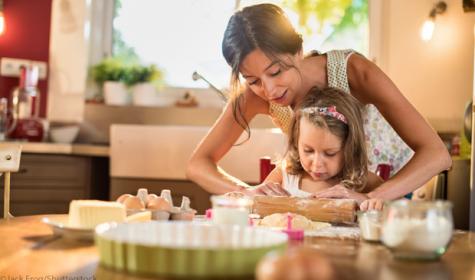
pixel 28 250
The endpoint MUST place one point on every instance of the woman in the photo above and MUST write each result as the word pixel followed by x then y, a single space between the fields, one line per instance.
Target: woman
pixel 261 45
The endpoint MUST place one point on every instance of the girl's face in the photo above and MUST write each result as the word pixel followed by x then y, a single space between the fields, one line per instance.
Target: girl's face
pixel 270 80
pixel 320 151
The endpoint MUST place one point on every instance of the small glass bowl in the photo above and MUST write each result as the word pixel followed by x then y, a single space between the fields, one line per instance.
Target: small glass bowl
pixel 417 230
pixel 370 225
pixel 231 210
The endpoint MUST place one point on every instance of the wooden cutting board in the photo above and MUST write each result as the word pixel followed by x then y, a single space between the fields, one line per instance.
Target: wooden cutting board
pixel 316 209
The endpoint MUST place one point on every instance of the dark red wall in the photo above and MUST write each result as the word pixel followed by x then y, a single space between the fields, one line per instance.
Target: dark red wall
pixel 26 36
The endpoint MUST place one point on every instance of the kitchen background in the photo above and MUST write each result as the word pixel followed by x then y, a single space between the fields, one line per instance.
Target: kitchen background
pixel 437 76
pixel 440 70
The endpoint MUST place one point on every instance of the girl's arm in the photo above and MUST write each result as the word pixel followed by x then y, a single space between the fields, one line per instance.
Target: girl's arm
pixel 275 176
pixel 202 167
pixel 272 185
pixel 370 85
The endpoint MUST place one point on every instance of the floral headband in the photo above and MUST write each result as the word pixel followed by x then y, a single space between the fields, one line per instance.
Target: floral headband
pixel 326 111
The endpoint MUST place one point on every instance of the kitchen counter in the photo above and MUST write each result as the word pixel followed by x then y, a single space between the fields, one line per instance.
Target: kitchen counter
pixel 60 148
pixel 161 152
pixel 29 250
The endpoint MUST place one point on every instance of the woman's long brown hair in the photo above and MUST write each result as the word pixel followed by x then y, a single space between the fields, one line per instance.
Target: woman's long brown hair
pixel 264 27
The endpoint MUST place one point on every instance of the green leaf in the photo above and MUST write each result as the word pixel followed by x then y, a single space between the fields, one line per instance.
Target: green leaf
pixel 338 14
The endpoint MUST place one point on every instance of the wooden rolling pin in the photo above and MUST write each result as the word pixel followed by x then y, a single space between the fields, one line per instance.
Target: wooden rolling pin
pixel 322 210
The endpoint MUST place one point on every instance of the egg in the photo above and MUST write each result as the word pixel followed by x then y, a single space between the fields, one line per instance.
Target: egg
pixel 133 203
pixel 272 267
pixel 159 203
pixel 296 264
pixel 123 197
pixel 150 197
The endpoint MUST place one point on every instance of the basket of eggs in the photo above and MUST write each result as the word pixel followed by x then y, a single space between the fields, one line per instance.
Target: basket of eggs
pixel 161 207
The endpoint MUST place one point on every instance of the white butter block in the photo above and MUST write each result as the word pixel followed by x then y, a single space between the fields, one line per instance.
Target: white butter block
pixel 90 213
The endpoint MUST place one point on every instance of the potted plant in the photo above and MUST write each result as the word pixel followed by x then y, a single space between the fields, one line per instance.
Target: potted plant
pixel 143 81
pixel 110 75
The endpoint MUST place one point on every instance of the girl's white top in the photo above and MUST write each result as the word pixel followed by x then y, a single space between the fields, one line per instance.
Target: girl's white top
pixel 291 183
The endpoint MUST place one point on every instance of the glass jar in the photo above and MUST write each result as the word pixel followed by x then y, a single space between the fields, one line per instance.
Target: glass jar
pixel 370 225
pixel 417 229
pixel 231 210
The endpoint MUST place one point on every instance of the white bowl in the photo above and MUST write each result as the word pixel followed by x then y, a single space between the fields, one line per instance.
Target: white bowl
pixel 64 134
pixel 185 249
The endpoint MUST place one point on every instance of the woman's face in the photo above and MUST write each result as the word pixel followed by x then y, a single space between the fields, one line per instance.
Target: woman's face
pixel 320 151
pixel 270 80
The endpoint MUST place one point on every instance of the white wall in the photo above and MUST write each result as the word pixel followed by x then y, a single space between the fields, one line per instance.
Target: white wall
pixel 436 76
pixel 68 60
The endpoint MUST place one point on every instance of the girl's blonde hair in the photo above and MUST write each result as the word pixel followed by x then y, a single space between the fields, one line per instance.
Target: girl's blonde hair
pixel 355 168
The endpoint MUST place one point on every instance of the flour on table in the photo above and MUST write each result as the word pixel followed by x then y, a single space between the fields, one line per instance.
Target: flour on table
pixel 335 232
pixel 313 229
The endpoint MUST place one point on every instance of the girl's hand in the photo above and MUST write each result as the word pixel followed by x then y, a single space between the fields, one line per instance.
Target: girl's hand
pixel 340 191
pixel 267 188
pixel 372 204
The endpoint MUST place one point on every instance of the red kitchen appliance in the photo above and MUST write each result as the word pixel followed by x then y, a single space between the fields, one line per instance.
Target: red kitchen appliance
pixel 266 167
pixel 25 123
pixel 383 170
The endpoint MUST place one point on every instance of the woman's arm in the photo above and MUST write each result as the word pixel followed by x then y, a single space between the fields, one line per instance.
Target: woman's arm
pixel 372 204
pixel 370 85
pixel 373 182
pixel 202 167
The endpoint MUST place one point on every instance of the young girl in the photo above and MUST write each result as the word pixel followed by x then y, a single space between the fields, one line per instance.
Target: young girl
pixel 326 147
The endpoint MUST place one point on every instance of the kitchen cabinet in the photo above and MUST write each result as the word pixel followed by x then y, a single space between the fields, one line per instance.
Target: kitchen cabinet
pixel 458 192
pixel 46 183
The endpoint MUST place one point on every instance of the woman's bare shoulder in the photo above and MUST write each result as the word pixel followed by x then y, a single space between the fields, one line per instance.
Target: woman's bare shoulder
pixel 359 69
pixel 358 63
pixel 366 80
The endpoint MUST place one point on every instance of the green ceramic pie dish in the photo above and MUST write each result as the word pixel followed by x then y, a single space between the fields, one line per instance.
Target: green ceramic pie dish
pixel 185 249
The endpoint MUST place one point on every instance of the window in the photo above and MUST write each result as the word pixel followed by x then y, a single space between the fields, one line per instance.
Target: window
pixel 181 36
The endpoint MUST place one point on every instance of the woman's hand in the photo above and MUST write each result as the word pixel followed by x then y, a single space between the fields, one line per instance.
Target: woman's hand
pixel 340 191
pixel 267 188
pixel 372 204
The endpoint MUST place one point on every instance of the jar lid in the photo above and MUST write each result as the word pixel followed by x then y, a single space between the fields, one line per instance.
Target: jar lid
pixel 420 204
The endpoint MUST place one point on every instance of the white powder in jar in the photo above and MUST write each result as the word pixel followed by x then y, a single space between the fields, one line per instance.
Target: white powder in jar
pixel 370 226
pixel 230 216
pixel 422 235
